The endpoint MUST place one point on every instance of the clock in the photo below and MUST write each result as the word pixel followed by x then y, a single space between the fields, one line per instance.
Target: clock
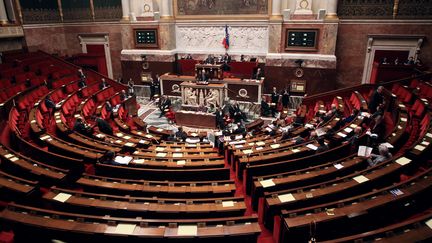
pixel 299 72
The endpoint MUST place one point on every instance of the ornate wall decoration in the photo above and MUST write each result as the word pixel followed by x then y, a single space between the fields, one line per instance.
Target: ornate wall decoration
pixel 221 7
pixel 365 9
pixel 40 11
pixel 76 10
pixel 415 9
pixel 207 39
pixel 107 9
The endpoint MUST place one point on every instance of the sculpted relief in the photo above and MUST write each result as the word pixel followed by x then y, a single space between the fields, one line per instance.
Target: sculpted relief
pixel 245 39
pixel 221 7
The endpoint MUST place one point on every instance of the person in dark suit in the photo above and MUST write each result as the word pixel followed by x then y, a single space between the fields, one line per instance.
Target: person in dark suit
pixel 103 84
pixel 274 101
pixel 220 122
pixel 153 86
pixel 49 103
pixel 108 158
pixel 242 58
pixel 180 135
pixel 240 129
pixel 108 106
pixel 123 95
pixel 103 126
pixel 265 107
pixel 258 74
pixel 376 99
pixel 164 105
pixel 322 146
pixel 226 58
pixel 189 57
pixel 82 79
pixel 81 128
pixel 285 98
pixel 210 59
pixel 354 139
pixel 130 85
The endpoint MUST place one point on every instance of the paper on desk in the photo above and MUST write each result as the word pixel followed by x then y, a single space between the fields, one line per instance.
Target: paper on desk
pixel 177 155
pixel 429 223
pixel 341 134
pixel 403 161
pixel 275 146
pixel 419 147
pixel 148 136
pixel 126 229
pixel 129 144
pixel 161 154
pixel 286 197
pixel 13 159
pixel 119 134
pixel 403 119
pixel 187 230
pixel 7 156
pixel 228 204
pixel 139 161
pixel 364 151
pixel 295 150
pixel 123 160
pixel 429 135
pixel 159 130
pixel 194 134
pixel 251 144
pixel 259 148
pixel 320 132
pixel 127 137
pixel 260 143
pixel 425 143
pixel 62 197
pixel 247 151
pixel 239 146
pixel 118 141
pixel 311 146
pixel 191 145
pixel 309 126
pixel 159 149
pixel 181 162
pixel 267 183
pixel 361 179
pixel 353 125
pixel 338 166
pixel 348 130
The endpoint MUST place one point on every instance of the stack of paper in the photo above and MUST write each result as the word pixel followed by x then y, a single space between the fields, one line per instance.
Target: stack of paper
pixel 228 204
pixel 361 179
pixel 187 230
pixel 62 197
pixel 125 229
pixel 123 160
pixel 267 183
pixel 286 197
pixel 161 154
pixel 311 146
pixel 403 161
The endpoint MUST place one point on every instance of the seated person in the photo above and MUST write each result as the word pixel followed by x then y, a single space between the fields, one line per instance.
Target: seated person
pixel 322 146
pixel 347 119
pixel 108 158
pixel 265 107
pixel 103 126
pixel 81 128
pixel 103 84
pixel 123 95
pixel 211 109
pixel 240 129
pixel 383 155
pixel 49 103
pixel 108 106
pixel 258 74
pixel 180 135
pixel 410 61
pixel 210 59
pixel 164 105
pixel 189 57
pixel 354 139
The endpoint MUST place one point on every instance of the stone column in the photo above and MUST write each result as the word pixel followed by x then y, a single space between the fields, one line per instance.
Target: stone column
pixel 3 14
pixel 125 10
pixel 276 9
pixel 166 11
pixel 332 9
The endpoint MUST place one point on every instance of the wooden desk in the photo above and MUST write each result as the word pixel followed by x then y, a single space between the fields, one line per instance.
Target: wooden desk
pixel 195 119
pixel 214 71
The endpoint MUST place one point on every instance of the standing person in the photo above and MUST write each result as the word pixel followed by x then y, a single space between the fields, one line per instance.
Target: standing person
pixel 376 99
pixel 285 98
pixel 130 85
pixel 220 119
pixel 50 104
pixel 274 101
pixel 258 74
pixel 153 86
pixel 82 79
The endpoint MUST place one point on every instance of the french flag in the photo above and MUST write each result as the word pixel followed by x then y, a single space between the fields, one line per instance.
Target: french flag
pixel 225 41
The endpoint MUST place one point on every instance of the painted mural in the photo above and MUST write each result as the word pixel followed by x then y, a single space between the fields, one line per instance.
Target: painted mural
pixel 221 7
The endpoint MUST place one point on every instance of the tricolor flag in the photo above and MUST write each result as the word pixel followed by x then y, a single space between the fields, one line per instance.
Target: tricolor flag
pixel 225 41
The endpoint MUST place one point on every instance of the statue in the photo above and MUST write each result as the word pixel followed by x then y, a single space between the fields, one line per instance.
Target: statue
pixel 212 97
pixel 190 96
